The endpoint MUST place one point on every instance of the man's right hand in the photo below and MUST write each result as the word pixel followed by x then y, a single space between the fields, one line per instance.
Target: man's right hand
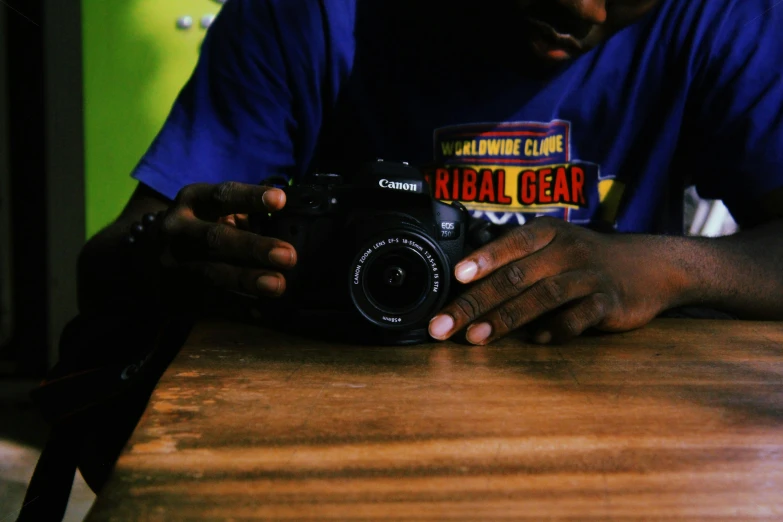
pixel 200 240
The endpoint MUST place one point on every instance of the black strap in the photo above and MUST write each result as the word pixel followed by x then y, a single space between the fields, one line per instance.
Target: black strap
pixel 109 366
pixel 50 488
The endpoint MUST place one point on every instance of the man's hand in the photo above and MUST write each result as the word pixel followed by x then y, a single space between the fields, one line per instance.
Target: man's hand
pixel 204 236
pixel 564 278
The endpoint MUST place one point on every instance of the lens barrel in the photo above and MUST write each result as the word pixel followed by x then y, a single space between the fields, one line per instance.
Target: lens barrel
pixel 399 278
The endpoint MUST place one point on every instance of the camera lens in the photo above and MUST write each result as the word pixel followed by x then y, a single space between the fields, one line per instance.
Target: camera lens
pixel 394 276
pixel 398 278
pixel 398 281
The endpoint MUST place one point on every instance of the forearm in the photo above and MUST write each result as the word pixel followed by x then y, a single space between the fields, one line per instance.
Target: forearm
pixel 741 274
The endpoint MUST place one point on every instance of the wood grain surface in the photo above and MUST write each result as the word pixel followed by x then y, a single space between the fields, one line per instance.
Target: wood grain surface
pixel 681 420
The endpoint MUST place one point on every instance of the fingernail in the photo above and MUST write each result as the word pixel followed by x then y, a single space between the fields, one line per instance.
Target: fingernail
pixel 269 284
pixel 273 198
pixel 281 256
pixel 478 333
pixel 466 271
pixel 440 326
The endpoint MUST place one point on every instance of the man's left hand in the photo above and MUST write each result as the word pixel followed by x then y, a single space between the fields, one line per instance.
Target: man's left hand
pixel 565 278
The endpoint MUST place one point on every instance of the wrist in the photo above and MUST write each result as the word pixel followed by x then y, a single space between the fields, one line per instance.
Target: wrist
pixel 684 266
pixel 668 267
pixel 738 274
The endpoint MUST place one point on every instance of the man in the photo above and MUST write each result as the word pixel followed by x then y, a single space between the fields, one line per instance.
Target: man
pixel 563 117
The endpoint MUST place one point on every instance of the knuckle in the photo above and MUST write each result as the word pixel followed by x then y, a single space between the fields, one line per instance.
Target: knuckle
pixel 596 278
pixel 549 293
pixel 186 194
pixel 215 236
pixel 597 306
pixel 590 312
pixel 514 278
pixel 468 305
pixel 508 318
pixel 571 325
pixel 580 249
pixel 222 193
pixel 523 239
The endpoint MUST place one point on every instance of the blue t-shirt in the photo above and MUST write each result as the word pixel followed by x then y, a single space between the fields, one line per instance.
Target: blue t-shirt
pixel 690 94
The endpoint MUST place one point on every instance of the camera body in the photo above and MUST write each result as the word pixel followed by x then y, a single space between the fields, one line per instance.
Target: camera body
pixel 375 256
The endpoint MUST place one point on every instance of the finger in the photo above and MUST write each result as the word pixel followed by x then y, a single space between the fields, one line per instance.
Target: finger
pixel 505 283
pixel 516 244
pixel 573 320
pixel 229 220
pixel 194 240
pixel 210 201
pixel 233 278
pixel 543 297
pixel 242 221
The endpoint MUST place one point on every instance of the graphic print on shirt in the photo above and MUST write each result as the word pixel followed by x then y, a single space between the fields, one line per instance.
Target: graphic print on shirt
pixel 511 172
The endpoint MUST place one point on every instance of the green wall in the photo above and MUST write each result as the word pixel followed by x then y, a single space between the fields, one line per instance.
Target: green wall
pixel 135 62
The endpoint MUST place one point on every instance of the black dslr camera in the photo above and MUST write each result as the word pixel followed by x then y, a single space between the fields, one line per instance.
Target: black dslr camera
pixel 375 257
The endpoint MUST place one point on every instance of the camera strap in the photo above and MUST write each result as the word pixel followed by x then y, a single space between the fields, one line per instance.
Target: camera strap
pixel 109 365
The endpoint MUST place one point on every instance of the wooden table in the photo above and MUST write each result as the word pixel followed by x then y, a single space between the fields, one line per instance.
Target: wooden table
pixel 682 420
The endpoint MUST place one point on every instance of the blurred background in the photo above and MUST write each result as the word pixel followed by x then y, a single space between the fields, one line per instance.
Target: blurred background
pixel 84 87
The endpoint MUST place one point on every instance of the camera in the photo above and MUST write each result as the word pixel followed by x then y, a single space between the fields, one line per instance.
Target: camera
pixel 375 255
